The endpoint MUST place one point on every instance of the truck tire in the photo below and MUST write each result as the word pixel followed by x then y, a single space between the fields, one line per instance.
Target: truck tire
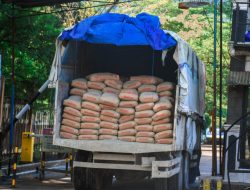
pixel 80 174
pixel 166 183
pixel 90 179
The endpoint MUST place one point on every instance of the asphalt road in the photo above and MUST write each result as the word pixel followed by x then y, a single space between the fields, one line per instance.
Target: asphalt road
pixel 58 181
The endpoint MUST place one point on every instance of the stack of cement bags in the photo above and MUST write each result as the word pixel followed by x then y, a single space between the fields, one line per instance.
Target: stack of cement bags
pixel 71 117
pixel 136 110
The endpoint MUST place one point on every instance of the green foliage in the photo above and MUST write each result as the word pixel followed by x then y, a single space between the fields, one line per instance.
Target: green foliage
pixel 34 47
pixel 34 50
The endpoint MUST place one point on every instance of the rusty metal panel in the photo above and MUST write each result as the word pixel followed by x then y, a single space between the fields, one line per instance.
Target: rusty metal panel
pixel 239 78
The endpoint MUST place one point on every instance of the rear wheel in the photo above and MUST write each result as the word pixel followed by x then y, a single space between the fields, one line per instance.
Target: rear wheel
pixel 80 178
pixel 166 183
pixel 88 178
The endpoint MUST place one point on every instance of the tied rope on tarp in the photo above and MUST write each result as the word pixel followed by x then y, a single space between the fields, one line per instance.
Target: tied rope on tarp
pixel 121 30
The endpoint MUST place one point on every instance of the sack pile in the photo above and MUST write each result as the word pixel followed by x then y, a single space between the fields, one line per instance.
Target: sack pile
pixel 71 117
pixel 103 107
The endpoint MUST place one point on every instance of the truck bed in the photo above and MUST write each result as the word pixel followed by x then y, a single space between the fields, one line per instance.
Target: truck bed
pixel 115 146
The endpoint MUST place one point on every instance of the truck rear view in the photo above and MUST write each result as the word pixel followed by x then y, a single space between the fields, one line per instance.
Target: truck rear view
pixel 125 93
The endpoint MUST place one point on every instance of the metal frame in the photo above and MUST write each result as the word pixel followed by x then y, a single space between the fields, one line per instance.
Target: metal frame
pixel 158 169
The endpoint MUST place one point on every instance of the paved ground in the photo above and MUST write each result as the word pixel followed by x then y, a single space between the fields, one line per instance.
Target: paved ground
pixel 59 181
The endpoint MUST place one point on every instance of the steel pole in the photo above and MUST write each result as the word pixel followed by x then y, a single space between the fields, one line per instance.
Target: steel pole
pixel 12 110
pixel 220 106
pixel 214 157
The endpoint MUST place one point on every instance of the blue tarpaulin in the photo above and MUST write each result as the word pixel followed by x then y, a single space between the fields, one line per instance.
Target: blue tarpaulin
pixel 121 30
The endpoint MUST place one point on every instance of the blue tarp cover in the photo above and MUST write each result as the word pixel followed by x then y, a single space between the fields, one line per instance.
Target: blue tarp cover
pixel 121 30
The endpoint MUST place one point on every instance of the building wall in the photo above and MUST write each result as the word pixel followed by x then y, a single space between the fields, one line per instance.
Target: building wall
pixel 237 63
pixel 236 103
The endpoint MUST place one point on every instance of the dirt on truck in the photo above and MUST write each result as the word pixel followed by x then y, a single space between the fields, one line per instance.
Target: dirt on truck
pixel 129 100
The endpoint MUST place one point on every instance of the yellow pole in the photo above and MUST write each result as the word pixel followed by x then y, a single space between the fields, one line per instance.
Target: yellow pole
pixel 13 181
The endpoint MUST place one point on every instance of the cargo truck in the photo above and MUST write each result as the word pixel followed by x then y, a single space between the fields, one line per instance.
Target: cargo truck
pixel 129 46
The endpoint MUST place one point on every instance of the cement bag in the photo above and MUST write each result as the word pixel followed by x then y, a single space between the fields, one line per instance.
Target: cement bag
pixel 164 141
pixel 166 93
pixel 145 139
pixel 145 79
pixel 96 85
pixel 72 111
pixel 163 127
pixel 131 84
pixel 127 138
pixel 147 97
pixel 126 118
pixel 144 128
pixel 165 86
pixel 164 134
pixel 162 121
pixel 147 88
pixel 87 125
pixel 71 117
pixel 161 115
pixel 163 104
pixel 145 113
pixel 110 113
pixel 125 111
pixel 111 90
pixel 117 84
pixel 67 135
pixel 109 119
pixel 108 125
pixel 109 99
pixel 104 131
pixel 79 83
pixel 128 104
pixel 100 77
pixel 143 121
pixel 88 132
pixel 91 106
pixel 77 92
pixel 95 91
pixel 90 119
pixel 171 99
pixel 127 132
pixel 88 137
pixel 145 134
pixel 71 123
pixel 144 106
pixel 127 125
pixel 92 97
pixel 70 130
pixel 88 112
pixel 129 94
pixel 105 107
pixel 107 137
pixel 73 102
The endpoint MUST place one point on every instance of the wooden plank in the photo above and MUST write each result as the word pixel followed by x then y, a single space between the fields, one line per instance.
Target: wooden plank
pixel 115 157
pixel 165 174
pixel 110 166
pixel 172 168
pixel 167 163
